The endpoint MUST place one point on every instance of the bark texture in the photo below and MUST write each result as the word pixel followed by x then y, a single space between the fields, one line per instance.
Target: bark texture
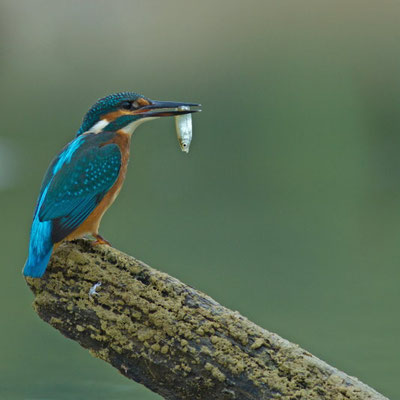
pixel 173 339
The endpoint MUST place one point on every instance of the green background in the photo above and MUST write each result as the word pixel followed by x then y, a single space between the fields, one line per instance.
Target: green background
pixel 287 207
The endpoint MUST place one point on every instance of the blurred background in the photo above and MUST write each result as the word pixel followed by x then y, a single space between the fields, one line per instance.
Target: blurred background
pixel 287 208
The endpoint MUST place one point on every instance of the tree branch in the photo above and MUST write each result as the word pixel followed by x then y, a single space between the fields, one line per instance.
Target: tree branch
pixel 172 338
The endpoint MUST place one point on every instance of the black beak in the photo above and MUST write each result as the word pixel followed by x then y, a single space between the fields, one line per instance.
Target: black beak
pixel 168 109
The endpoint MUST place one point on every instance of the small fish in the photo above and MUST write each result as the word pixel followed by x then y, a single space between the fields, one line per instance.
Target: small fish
pixel 183 125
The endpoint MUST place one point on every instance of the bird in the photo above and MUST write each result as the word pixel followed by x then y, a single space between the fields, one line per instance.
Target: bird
pixel 86 176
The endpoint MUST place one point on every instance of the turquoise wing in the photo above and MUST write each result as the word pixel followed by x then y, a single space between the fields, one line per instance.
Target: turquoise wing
pixel 78 187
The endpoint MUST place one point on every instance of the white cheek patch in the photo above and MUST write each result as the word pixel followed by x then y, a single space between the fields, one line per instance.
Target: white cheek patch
pixel 99 126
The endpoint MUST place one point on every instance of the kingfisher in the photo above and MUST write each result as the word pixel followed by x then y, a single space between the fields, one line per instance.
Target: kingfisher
pixel 86 176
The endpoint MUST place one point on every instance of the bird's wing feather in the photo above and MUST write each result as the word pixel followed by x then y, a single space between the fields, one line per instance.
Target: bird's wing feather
pixel 78 187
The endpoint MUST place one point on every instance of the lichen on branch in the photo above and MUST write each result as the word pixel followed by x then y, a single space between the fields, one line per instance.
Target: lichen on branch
pixel 172 338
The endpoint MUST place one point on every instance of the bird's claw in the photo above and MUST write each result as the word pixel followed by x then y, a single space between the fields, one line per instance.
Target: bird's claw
pixel 100 240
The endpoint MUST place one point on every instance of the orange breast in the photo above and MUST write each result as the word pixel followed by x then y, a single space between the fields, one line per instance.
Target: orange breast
pixel 92 222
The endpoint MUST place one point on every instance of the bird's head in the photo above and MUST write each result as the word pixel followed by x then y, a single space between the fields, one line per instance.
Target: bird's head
pixel 126 110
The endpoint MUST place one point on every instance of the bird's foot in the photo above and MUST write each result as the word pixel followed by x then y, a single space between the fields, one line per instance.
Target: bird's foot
pixel 100 240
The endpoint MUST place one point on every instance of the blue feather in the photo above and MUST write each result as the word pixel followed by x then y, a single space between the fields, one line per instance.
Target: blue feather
pixel 40 246
pixel 75 183
pixel 66 155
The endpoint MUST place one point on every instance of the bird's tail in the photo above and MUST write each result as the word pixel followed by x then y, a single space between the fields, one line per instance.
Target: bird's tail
pixel 36 264
pixel 40 249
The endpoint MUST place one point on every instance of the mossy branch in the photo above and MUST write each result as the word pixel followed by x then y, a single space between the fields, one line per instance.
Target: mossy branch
pixel 172 338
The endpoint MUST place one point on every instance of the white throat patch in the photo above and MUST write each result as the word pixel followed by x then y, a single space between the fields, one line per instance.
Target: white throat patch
pixel 130 128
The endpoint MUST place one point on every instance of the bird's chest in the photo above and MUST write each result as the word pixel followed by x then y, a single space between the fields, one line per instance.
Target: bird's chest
pixel 94 219
pixel 123 142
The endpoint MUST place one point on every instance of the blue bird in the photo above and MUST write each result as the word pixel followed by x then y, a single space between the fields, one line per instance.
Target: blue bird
pixel 84 179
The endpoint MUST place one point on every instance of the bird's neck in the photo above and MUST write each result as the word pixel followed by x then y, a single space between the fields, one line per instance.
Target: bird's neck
pixel 130 128
pixel 123 140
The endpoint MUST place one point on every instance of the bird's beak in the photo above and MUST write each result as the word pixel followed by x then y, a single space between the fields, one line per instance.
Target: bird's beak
pixel 167 109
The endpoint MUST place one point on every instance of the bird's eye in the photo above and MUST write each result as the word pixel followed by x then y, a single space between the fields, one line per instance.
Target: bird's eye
pixel 126 105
